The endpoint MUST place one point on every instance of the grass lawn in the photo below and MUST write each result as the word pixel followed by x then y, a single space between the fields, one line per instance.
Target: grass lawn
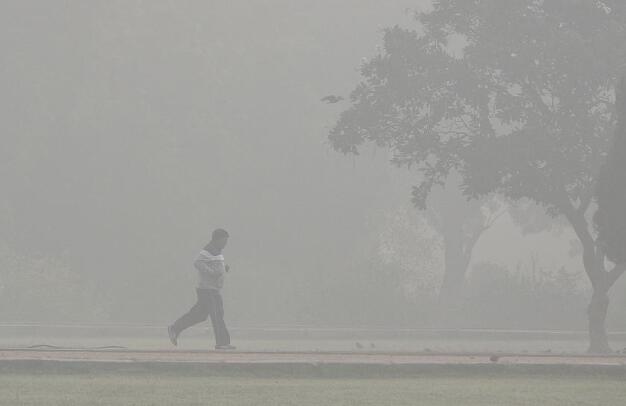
pixel 70 384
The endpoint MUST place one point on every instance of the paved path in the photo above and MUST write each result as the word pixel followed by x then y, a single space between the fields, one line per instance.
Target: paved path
pixel 371 358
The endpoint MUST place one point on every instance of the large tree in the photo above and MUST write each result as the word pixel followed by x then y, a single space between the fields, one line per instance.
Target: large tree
pixel 515 96
pixel 610 216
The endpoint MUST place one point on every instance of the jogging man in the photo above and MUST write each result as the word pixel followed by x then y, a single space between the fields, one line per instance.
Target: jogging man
pixel 211 268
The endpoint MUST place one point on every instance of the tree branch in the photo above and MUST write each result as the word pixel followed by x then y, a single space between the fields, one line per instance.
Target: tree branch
pixel 473 239
pixel 614 274
pixel 490 221
pixel 585 201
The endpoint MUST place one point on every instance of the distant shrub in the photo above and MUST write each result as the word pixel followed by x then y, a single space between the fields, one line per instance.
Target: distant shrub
pixel 498 298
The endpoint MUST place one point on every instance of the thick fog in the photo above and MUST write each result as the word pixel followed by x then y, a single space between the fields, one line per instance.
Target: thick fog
pixel 131 129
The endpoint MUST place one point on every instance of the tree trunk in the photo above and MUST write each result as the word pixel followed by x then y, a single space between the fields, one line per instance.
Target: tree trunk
pixel 601 282
pixel 455 267
pixel 597 311
pixel 454 275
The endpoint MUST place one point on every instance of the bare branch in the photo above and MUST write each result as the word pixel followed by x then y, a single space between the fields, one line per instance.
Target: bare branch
pixel 614 274
pixel 490 221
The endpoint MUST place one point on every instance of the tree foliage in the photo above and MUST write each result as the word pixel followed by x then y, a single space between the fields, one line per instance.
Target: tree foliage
pixel 524 108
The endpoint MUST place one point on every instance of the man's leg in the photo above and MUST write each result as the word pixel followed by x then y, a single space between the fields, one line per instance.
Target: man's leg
pixel 222 337
pixel 197 314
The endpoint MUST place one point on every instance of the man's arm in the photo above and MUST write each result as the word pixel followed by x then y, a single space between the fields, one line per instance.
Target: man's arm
pixel 208 266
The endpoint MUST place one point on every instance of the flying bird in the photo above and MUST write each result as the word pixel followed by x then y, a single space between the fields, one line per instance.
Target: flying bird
pixel 330 99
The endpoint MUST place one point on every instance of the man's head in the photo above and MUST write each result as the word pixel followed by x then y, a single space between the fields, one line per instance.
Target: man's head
pixel 219 238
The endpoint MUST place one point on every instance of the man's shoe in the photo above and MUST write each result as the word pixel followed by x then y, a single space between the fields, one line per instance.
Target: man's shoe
pixel 225 347
pixel 172 335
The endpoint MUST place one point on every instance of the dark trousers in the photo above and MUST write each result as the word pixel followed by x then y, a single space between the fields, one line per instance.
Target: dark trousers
pixel 209 304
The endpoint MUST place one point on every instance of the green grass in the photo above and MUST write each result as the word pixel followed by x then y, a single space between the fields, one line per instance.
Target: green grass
pixel 70 384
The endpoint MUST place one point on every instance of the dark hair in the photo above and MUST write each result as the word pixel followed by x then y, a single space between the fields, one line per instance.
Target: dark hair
pixel 219 233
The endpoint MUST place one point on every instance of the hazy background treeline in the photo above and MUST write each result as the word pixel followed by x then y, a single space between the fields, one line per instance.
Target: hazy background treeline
pixel 130 129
